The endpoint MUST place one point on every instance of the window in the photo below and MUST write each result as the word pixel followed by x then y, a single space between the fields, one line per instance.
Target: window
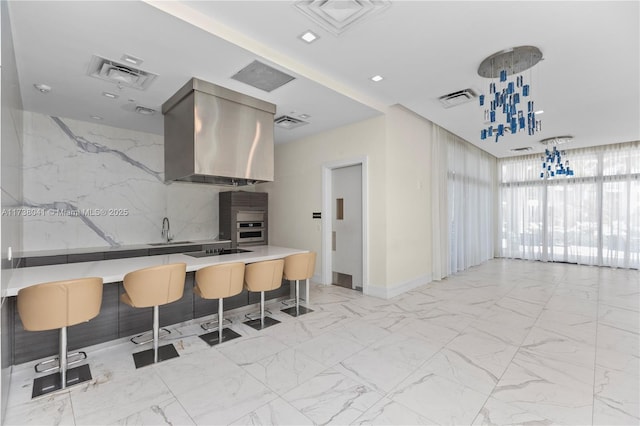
pixel 591 218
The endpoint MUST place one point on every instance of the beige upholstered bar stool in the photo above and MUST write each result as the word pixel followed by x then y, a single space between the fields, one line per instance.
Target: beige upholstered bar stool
pixel 263 276
pixel 218 282
pixel 58 305
pixel 299 267
pixel 152 287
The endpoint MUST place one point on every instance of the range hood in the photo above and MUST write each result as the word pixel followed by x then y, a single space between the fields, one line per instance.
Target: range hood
pixel 218 136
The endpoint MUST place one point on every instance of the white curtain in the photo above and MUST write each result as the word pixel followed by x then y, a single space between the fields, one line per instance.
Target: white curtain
pixel 439 205
pixel 591 218
pixel 462 204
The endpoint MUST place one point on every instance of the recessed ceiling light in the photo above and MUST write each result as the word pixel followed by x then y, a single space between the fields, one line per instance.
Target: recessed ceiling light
pixel 110 95
pixel 131 59
pixel 304 116
pixel 96 117
pixel 377 78
pixel 539 112
pixel 309 37
pixel 42 88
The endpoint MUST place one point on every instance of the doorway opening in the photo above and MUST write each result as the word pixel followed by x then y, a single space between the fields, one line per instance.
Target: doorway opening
pixel 344 224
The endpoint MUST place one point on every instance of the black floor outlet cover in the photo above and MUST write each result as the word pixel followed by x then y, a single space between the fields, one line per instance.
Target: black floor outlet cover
pixel 145 358
pixel 213 338
pixel 268 322
pixel 51 383
pixel 301 311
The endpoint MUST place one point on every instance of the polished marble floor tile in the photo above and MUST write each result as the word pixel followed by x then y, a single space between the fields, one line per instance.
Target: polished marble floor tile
pixel 329 348
pixel 388 412
pixel 284 370
pixel 387 362
pixel 276 412
pixel 495 412
pixel 223 400
pixel 332 398
pixel 556 344
pixel 109 401
pixel 505 342
pixel 46 410
pixel 168 412
pixel 617 397
pixel 438 398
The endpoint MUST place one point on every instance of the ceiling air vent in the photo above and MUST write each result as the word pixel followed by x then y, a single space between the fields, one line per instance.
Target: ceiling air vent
pixel 145 110
pixel 525 149
pixel 457 98
pixel 287 122
pixel 120 74
pixel 262 76
pixel 557 140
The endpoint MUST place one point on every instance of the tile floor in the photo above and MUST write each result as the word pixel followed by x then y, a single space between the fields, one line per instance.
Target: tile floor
pixel 507 342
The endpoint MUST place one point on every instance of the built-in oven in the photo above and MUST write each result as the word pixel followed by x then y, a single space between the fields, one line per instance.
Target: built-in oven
pixel 250 227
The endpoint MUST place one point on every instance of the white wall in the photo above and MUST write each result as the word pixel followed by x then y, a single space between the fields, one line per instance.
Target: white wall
pixel 408 185
pixel 118 174
pixel 397 146
pixel 297 190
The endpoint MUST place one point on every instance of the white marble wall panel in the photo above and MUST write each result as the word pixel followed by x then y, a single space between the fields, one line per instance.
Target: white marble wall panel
pixel 103 186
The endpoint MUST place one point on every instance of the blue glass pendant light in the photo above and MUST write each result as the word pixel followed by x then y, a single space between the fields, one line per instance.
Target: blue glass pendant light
pixel 552 164
pixel 509 107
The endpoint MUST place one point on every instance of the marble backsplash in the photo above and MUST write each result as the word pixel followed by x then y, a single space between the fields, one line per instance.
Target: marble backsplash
pixel 90 185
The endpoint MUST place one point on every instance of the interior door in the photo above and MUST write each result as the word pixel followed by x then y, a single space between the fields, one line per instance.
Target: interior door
pixel 347 226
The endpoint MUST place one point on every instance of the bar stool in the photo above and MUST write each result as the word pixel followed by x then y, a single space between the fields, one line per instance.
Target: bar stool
pixel 299 267
pixel 152 287
pixel 58 305
pixel 218 282
pixel 263 276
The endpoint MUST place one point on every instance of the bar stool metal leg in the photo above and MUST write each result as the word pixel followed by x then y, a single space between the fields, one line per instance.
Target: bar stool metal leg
pixel 299 310
pixel 297 297
pixel 220 319
pixel 64 377
pixel 63 358
pixel 307 298
pixel 156 332
pixel 222 334
pixel 157 353
pixel 262 321
pixel 262 309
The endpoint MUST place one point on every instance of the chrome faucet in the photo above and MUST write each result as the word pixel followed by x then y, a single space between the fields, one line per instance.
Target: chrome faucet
pixel 165 230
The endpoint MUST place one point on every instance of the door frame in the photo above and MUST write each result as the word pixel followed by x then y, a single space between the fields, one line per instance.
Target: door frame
pixel 327 218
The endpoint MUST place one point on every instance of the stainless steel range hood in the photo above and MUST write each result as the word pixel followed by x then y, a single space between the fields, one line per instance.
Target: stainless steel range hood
pixel 218 136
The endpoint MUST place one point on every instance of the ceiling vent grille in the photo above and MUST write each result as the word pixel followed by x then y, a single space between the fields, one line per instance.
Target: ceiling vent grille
pixel 525 149
pixel 457 98
pixel 557 140
pixel 262 76
pixel 120 74
pixel 287 122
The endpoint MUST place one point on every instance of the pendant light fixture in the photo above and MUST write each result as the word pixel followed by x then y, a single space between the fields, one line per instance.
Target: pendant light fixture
pixel 552 164
pixel 509 107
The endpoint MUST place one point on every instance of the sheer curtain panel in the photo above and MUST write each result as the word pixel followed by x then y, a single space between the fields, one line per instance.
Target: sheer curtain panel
pixel 591 218
pixel 462 204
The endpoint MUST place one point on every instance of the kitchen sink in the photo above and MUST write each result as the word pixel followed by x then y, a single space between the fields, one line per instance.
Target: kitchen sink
pixel 171 243
pixel 215 252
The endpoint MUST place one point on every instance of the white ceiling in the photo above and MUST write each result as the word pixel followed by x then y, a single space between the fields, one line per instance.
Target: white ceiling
pixel 588 83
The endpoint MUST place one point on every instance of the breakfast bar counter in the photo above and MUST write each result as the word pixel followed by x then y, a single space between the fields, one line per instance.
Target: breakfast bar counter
pixel 115 269
pixel 117 320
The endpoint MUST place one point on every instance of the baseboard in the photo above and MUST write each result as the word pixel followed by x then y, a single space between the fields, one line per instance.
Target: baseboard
pixel 397 289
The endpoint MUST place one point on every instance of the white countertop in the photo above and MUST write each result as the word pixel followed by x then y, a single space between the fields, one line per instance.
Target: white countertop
pixel 115 270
